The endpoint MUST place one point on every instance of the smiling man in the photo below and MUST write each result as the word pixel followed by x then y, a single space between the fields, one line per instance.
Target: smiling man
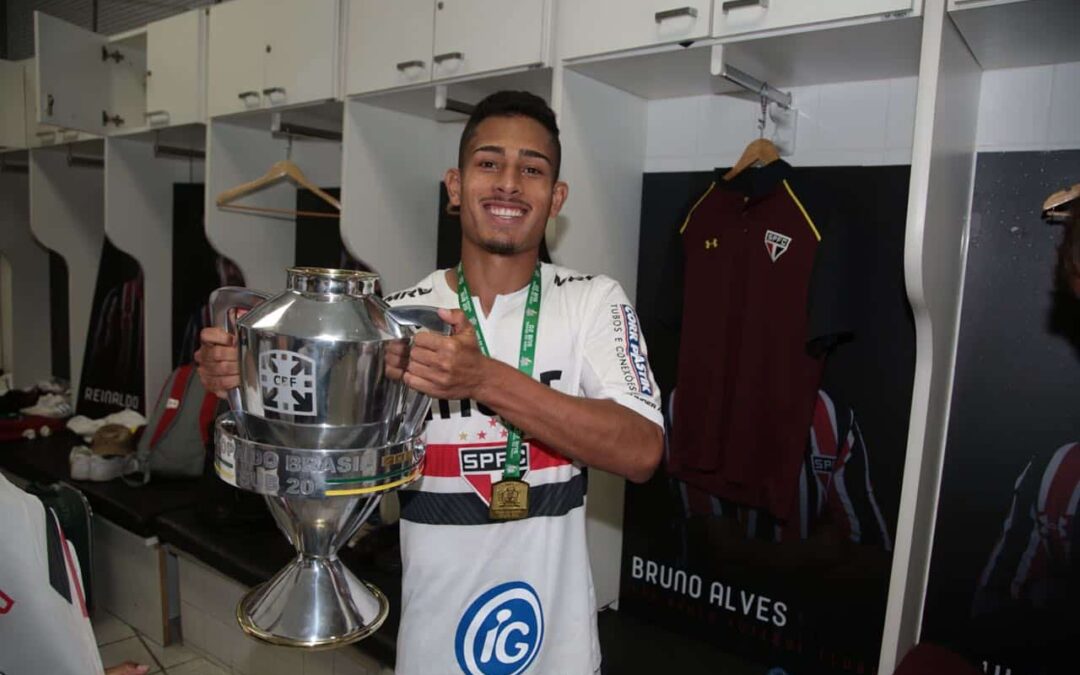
pixel 546 372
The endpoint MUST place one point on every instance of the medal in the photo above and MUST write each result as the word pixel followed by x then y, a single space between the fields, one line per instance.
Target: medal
pixel 509 496
pixel 509 500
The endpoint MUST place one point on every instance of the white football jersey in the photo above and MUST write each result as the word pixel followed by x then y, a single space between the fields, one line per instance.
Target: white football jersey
pixel 486 597
pixel 44 626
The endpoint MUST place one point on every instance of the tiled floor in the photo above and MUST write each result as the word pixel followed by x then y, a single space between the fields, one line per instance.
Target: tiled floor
pixel 119 642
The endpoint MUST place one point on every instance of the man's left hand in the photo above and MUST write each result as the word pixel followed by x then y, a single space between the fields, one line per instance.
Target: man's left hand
pixel 447 367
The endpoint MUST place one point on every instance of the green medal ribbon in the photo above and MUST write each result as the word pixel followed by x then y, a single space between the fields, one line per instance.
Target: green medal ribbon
pixel 526 358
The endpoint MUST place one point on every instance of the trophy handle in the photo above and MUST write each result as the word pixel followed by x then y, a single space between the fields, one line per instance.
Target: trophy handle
pixel 225 302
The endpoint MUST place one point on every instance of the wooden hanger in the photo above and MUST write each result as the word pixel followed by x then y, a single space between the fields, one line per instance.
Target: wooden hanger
pixel 1058 199
pixel 279 171
pixel 760 152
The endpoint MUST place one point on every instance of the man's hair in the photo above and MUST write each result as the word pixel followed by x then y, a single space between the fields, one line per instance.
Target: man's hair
pixel 513 104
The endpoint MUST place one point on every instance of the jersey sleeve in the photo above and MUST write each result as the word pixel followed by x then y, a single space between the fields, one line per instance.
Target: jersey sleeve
pixel 616 358
pixel 851 498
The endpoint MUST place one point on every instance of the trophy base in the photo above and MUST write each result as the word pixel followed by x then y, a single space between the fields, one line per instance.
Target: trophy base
pixel 313 603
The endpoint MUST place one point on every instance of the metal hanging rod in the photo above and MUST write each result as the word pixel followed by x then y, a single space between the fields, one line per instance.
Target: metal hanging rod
pixel 444 102
pixel 174 151
pixel 752 84
pixel 279 126
pixel 88 162
pixel 8 167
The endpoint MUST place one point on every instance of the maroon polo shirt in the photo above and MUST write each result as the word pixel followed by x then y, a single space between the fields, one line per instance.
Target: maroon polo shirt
pixel 748 376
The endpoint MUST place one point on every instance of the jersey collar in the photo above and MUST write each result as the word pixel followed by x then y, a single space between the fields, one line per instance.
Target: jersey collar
pixel 755 183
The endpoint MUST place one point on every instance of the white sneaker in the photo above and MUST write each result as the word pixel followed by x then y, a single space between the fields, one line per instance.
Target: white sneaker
pixel 53 385
pixel 50 405
pixel 80 459
pixel 107 468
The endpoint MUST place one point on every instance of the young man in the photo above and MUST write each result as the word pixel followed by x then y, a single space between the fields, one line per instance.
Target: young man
pixel 546 372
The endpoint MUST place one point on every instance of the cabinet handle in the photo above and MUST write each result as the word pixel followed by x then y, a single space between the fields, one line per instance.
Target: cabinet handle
pixel 439 58
pixel 247 94
pixel 162 114
pixel 675 13
pixel 405 65
pixel 269 91
pixel 736 4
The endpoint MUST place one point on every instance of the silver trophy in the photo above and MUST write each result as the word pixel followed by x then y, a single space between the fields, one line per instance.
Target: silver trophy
pixel 322 425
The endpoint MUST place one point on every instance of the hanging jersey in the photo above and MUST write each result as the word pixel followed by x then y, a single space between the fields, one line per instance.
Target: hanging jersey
pixel 834 485
pixel 747 374
pixel 1034 560
pixel 44 625
pixel 483 597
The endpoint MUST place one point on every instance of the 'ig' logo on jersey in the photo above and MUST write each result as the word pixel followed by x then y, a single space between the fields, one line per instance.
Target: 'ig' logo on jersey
pixel 776 244
pixel 288 382
pixel 501 631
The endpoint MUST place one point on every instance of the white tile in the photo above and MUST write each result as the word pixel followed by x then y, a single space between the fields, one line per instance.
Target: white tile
pixel 107 628
pixel 850 116
pixel 198 667
pixel 671 164
pixel 1014 107
pixel 1065 106
pixel 725 125
pixel 829 157
pixel 897 156
pixel 170 656
pixel 131 649
pixel 900 121
pixel 267 659
pixel 319 663
pixel 220 639
pixel 671 127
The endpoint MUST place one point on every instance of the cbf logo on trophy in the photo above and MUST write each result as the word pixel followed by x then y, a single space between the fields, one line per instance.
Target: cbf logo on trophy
pixel 501 631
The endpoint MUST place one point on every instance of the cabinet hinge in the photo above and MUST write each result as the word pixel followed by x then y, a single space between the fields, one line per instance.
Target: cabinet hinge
pixel 106 119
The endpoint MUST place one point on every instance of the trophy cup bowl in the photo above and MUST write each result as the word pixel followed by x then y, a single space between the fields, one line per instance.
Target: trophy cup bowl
pixel 321 427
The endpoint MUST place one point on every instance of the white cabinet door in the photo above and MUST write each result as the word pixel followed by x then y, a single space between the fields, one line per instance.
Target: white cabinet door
pixel 735 17
pixel 237 47
pixel 301 50
pixel 588 27
pixel 390 44
pixel 73 78
pixel 476 36
pixel 12 106
pixel 175 67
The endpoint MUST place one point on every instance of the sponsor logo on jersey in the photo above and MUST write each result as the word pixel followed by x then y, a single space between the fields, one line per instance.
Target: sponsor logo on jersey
pixel 288 382
pixel 559 281
pixel 635 352
pixel 482 466
pixel 411 293
pixel 501 632
pixel 776 244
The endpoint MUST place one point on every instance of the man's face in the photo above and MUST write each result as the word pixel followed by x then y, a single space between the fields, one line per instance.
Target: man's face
pixel 506 188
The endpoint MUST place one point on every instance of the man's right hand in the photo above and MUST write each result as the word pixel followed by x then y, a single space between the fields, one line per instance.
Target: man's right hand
pixel 219 361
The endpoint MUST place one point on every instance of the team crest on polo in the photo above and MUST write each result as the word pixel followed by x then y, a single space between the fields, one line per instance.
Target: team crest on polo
pixel 501 631
pixel 287 380
pixel 776 244
pixel 483 466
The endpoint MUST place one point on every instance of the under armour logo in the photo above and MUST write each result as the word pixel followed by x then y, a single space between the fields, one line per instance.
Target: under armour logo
pixel 712 243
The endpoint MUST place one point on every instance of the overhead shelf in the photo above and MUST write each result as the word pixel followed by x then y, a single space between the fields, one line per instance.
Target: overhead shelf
pixel 1019 34
pixel 871 51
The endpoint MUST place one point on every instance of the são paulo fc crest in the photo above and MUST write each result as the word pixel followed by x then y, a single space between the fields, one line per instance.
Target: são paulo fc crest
pixel 287 381
pixel 483 466
pixel 776 244
pixel 501 631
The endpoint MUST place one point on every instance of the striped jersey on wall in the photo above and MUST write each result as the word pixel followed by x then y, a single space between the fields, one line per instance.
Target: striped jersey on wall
pixel 481 596
pixel 1034 560
pixel 834 485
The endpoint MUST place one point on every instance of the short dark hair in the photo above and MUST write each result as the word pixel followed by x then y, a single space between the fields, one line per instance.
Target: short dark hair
pixel 512 104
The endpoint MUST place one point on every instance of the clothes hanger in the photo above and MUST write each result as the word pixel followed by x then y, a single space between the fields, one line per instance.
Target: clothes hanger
pixel 280 170
pixel 1050 208
pixel 760 152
